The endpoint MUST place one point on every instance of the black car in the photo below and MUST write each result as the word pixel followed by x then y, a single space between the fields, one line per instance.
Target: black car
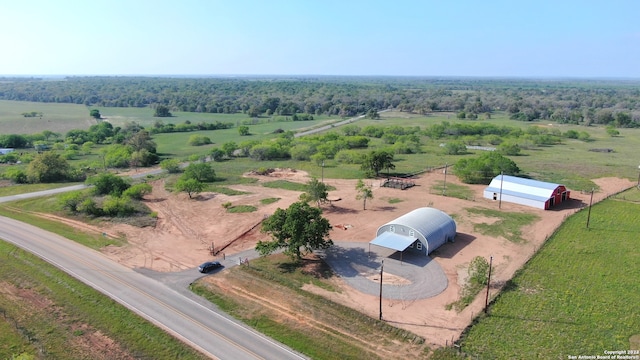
pixel 208 266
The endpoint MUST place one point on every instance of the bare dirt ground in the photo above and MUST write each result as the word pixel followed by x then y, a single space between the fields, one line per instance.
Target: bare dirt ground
pixel 186 229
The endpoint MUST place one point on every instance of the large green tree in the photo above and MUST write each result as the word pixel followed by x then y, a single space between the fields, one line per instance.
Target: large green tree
pixel 482 169
pixel 376 161
pixel 48 167
pixel 298 229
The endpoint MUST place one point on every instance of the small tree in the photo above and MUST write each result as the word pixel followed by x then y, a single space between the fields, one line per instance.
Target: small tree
pixel 372 114
pixel 162 111
pixel 455 148
pixel 478 271
pixel 190 186
pixel 95 113
pixel 217 154
pixel 48 167
pixel 364 193
pixel 243 130
pixel 198 140
pixel 376 161
pixel 300 228
pixel 316 191
pixel 172 166
pixel 138 191
pixel 201 172
pixel 108 184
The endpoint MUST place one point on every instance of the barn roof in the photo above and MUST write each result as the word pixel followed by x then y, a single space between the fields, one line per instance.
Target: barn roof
pixel 434 225
pixel 521 187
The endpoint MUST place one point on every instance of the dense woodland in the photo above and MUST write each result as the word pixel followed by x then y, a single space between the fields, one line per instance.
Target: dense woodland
pixel 585 102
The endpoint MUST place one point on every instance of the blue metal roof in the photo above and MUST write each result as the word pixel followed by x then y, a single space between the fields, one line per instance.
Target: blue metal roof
pixel 393 241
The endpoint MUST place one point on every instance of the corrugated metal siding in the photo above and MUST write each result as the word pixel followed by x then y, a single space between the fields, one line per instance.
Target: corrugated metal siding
pixel 527 187
pixel 436 226
pixel 525 191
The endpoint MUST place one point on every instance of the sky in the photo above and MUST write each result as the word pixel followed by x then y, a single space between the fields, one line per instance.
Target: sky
pixel 529 38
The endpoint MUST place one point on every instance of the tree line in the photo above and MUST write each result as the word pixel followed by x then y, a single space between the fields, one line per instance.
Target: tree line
pixel 615 103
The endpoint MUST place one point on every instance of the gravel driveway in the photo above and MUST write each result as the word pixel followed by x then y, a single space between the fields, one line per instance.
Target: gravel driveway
pixel 355 264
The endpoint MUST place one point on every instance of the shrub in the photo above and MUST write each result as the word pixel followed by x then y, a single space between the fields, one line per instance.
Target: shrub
pixel 89 207
pixel 117 206
pixel 71 201
pixel 108 184
pixel 138 191
pixel 172 166
pixel 198 140
pixel 18 176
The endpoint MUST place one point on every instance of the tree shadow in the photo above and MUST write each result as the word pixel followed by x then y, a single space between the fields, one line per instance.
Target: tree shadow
pixel 334 209
pixel 342 259
pixel 204 197
pixel 384 208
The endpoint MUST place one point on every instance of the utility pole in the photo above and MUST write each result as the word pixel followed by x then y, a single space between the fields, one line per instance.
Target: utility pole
pixel 323 171
pixel 381 267
pixel 444 188
pixel 589 213
pixel 501 181
pixel 486 299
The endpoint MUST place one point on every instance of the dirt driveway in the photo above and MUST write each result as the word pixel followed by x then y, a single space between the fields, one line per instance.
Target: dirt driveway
pixel 186 229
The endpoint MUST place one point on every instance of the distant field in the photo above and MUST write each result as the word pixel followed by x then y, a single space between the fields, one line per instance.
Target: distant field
pixel 577 296
pixel 60 117
pixel 569 163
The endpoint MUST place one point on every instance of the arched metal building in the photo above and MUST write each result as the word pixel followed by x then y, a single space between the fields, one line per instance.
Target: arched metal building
pixel 538 194
pixel 422 230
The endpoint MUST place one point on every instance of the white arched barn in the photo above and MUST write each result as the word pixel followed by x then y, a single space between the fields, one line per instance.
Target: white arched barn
pixel 422 230
pixel 538 194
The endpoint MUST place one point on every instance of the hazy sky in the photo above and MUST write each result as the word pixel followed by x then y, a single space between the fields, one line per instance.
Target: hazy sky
pixel 529 38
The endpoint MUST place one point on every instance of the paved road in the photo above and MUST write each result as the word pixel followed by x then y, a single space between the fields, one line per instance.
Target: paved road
pixel 328 127
pixel 197 323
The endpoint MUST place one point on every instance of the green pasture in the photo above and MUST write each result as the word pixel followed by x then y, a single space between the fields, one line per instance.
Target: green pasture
pixel 58 118
pixel 43 329
pixel 570 163
pixel 577 296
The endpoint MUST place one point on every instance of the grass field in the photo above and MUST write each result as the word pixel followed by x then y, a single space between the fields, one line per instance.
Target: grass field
pixel 570 163
pixel 306 322
pixel 60 118
pixel 57 314
pixel 577 296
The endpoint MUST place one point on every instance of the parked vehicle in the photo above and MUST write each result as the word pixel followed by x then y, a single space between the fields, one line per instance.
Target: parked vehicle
pixel 208 266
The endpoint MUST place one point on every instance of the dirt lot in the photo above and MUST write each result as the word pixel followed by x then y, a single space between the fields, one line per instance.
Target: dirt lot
pixel 187 228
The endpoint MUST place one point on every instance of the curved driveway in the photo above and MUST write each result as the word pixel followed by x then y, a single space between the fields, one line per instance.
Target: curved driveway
pixel 355 264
